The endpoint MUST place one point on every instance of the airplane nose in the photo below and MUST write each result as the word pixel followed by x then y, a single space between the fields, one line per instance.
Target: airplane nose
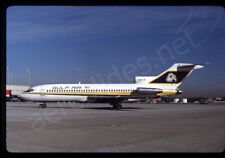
pixel 18 95
pixel 21 96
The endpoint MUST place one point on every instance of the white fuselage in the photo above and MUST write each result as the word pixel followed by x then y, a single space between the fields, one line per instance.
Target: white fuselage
pixel 81 92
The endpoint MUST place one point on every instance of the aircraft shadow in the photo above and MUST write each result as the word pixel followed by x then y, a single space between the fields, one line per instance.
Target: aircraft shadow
pixel 66 107
pixel 111 108
pixel 69 107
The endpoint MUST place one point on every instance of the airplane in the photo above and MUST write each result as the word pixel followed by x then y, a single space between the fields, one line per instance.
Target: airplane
pixel 165 84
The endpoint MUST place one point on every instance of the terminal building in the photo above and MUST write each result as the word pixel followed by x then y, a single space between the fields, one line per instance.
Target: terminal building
pixel 15 89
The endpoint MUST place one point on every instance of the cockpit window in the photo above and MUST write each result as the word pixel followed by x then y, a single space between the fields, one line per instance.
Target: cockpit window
pixel 29 90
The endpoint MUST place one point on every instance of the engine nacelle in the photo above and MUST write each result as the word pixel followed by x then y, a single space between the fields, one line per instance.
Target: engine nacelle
pixel 149 90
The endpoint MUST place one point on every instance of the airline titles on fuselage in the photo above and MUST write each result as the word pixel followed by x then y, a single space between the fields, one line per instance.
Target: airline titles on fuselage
pixel 68 87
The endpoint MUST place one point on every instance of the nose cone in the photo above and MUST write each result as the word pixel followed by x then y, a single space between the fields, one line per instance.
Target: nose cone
pixel 22 96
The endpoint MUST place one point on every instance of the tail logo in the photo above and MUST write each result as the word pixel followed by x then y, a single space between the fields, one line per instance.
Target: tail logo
pixel 171 77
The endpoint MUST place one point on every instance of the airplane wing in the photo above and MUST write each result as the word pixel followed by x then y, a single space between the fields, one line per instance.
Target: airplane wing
pixel 143 91
pixel 107 99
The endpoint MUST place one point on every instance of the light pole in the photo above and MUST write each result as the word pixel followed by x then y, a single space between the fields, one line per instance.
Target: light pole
pixel 7 75
pixel 10 76
pixel 29 74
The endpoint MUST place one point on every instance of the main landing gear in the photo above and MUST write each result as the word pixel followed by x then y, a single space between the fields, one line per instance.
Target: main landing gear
pixel 42 105
pixel 116 105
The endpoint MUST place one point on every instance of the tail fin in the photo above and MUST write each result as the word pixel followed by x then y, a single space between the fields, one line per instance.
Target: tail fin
pixel 176 73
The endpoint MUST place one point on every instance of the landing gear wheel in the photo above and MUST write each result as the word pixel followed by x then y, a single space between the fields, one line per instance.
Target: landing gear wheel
pixel 42 105
pixel 117 106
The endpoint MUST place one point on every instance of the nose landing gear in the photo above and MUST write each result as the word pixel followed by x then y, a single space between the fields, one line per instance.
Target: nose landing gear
pixel 42 105
pixel 116 105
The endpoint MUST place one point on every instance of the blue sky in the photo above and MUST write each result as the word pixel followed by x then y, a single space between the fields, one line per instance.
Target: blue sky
pixel 115 44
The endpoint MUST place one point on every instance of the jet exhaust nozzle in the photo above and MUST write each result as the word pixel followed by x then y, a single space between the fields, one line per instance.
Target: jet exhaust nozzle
pixel 179 92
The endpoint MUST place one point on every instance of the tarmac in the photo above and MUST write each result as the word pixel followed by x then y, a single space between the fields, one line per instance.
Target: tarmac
pixel 75 127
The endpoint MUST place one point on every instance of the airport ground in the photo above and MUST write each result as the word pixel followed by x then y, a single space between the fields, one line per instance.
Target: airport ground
pixel 78 127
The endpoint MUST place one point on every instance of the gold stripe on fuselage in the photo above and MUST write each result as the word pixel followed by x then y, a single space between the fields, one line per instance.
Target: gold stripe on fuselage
pixel 97 93
pixel 167 93
pixel 84 93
